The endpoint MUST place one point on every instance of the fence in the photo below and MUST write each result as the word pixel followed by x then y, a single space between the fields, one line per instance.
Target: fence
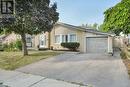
pixel 122 44
pixel 126 50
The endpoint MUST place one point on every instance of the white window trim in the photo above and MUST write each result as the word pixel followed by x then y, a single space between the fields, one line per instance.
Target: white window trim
pixel 60 38
pixel 72 34
pixel 64 38
pixel 68 37
pixel 42 34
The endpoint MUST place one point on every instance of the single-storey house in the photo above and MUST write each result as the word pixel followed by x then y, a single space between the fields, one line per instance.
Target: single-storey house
pixel 91 41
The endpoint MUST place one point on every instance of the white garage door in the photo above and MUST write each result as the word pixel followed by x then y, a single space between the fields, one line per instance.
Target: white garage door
pixel 97 45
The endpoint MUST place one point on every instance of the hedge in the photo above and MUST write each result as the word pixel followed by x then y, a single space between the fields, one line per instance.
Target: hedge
pixel 71 45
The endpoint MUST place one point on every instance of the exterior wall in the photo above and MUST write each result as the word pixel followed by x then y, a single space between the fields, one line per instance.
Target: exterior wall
pixel 60 30
pixel 37 40
pixel 90 35
pixel 11 38
pixel 119 41
pixel 81 38
pixel 110 44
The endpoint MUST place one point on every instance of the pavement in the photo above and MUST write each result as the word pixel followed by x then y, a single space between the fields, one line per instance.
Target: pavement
pixel 99 70
pixel 18 79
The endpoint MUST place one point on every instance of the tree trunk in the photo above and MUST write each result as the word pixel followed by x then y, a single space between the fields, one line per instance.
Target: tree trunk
pixel 49 40
pixel 24 46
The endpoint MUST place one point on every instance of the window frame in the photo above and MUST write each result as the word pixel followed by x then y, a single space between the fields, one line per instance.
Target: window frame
pixel 70 38
pixel 6 7
pixel 63 38
pixel 60 39
pixel 29 41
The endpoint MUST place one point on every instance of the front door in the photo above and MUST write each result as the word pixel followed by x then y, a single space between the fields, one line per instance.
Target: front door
pixel 42 41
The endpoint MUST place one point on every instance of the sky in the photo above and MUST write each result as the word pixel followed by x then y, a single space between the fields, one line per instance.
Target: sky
pixel 78 12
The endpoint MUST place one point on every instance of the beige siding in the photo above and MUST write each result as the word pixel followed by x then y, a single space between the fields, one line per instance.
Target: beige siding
pixel 110 44
pixel 119 41
pixel 37 40
pixel 81 37
pixel 11 38
pixel 110 41
pixel 60 30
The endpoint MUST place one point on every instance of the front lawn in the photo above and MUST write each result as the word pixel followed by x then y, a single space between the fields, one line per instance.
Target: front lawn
pixel 13 60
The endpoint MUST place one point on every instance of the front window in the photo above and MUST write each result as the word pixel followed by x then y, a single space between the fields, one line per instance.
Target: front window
pixel 29 41
pixel 72 38
pixel 63 38
pixel 57 39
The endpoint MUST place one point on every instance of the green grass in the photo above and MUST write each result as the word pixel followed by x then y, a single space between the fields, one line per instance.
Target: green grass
pixel 14 60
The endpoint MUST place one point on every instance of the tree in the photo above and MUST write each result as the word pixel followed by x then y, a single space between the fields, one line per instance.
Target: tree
pixel 94 26
pixel 1 30
pixel 100 28
pixel 117 18
pixel 33 17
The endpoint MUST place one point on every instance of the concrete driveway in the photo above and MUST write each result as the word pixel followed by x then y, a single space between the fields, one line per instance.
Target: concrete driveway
pixel 100 70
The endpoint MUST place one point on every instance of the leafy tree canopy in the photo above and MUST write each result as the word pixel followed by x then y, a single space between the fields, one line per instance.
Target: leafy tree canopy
pixel 117 18
pixel 31 17
pixel 94 26
pixel 34 16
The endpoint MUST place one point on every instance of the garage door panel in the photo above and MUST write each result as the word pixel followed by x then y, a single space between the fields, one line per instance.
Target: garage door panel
pixel 97 45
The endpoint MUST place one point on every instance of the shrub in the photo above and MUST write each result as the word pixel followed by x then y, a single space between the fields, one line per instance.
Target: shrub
pixel 9 47
pixel 123 55
pixel 13 46
pixel 18 44
pixel 71 45
pixel 5 47
pixel 1 47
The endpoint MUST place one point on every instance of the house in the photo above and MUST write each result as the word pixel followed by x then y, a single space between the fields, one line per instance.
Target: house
pixel 129 38
pixel 10 38
pixel 91 41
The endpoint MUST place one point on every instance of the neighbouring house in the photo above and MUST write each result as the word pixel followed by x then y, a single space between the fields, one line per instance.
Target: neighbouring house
pixel 91 41
pixel 129 38
pixel 10 38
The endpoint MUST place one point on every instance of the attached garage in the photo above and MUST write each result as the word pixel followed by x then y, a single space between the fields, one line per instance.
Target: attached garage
pixel 97 44
pixel 90 40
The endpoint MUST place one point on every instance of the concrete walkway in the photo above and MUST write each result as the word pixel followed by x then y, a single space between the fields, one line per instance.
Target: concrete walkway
pixel 18 79
pixel 99 70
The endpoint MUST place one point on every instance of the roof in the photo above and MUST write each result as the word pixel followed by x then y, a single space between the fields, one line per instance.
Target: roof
pixel 90 30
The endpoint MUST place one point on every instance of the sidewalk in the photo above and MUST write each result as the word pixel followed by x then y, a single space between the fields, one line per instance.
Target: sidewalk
pixel 18 79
